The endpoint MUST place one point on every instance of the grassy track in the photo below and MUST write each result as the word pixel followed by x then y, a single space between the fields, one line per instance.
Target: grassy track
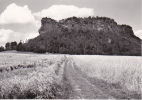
pixel 85 87
pixel 47 76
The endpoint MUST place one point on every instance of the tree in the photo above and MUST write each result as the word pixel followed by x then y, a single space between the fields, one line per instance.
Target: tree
pixel 1 48
pixel 19 46
pixel 13 45
pixel 8 46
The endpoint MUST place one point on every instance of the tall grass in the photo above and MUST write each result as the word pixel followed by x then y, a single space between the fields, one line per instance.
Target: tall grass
pixel 123 70
pixel 41 81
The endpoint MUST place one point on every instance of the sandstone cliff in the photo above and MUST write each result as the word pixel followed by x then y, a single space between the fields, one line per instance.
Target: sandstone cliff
pixel 92 35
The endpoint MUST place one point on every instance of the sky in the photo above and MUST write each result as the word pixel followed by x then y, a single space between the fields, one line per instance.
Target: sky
pixel 20 19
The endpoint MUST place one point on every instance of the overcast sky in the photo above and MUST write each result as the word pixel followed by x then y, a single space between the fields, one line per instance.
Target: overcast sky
pixel 20 19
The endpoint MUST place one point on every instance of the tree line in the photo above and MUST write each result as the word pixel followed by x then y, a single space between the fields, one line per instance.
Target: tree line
pixel 12 46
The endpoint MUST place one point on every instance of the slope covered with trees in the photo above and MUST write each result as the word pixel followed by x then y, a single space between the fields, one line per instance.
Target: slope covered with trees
pixel 92 35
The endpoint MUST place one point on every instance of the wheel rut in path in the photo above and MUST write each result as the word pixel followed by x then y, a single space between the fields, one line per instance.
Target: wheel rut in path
pixel 81 87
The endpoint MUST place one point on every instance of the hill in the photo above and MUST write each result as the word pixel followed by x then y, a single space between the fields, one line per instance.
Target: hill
pixel 92 35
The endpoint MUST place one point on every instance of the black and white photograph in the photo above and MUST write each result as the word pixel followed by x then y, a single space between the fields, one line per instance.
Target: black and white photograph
pixel 71 49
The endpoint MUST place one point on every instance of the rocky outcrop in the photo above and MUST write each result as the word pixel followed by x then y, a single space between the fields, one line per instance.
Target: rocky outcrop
pixel 92 35
pixel 91 24
pixel 47 25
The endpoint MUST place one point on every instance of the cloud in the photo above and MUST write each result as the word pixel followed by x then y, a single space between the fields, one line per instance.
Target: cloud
pixel 138 33
pixel 19 23
pixel 31 35
pixel 7 35
pixel 59 12
pixel 16 14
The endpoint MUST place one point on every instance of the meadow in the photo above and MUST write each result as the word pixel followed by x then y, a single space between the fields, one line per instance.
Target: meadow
pixel 30 76
pixel 124 71
pixel 42 76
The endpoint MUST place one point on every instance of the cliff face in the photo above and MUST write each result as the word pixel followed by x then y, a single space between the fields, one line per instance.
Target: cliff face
pixel 86 24
pixel 92 35
pixel 47 25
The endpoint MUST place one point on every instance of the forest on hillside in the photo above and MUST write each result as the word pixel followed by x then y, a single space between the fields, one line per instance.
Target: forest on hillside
pixel 92 35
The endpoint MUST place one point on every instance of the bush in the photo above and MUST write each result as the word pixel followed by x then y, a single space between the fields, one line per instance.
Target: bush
pixel 39 50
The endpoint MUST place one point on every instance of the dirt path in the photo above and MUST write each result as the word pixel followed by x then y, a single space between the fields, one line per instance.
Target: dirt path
pixel 84 87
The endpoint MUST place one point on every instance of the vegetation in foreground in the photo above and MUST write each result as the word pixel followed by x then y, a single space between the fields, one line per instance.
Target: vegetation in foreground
pixel 43 76
pixel 123 72
pixel 42 80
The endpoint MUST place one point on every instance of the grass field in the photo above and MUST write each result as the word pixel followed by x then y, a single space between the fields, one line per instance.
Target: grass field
pixel 30 75
pixel 42 76
pixel 125 71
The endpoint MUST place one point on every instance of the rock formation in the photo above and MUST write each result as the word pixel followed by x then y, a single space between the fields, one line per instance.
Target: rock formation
pixel 92 35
